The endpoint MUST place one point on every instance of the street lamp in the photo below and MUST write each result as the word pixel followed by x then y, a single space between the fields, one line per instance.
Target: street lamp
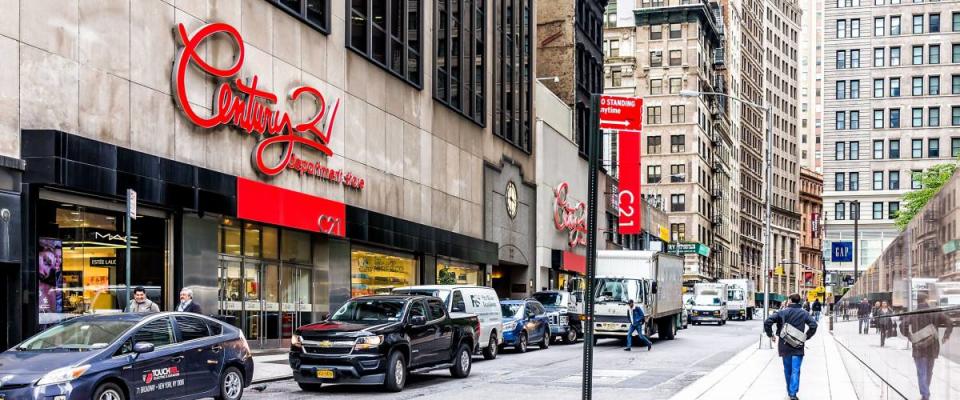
pixel 768 252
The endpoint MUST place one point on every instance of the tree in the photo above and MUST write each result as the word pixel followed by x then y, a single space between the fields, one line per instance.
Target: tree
pixel 931 180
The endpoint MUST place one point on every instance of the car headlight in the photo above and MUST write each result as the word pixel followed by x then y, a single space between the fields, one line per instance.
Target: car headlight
pixel 509 326
pixel 296 340
pixel 368 342
pixel 717 312
pixel 61 375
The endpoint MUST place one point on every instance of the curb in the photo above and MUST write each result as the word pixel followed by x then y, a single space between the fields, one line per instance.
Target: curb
pixel 269 380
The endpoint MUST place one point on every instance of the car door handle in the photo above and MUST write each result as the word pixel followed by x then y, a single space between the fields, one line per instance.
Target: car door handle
pixel 177 359
pixel 217 348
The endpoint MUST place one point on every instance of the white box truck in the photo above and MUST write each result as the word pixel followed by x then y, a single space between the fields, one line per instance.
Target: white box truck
pixel 709 303
pixel 741 298
pixel 652 279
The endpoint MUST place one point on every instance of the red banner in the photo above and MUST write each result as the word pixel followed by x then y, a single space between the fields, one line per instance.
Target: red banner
pixel 269 204
pixel 631 208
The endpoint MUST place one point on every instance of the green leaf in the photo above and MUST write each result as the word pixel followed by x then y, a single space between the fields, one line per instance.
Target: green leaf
pixel 931 180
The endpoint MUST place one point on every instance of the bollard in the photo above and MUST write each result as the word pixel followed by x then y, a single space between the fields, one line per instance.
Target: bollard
pixel 831 322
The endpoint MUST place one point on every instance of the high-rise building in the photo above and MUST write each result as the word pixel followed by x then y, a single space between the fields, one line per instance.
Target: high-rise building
pixel 781 49
pixel 690 161
pixel 811 232
pixel 811 85
pixel 884 62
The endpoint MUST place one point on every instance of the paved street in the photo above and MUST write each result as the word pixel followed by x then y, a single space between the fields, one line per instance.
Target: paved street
pixel 555 373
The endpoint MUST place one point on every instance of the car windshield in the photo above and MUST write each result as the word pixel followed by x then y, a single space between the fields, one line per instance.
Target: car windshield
pixel 735 294
pixel 442 294
pixel 549 299
pixel 511 310
pixel 370 310
pixel 619 290
pixel 707 300
pixel 77 335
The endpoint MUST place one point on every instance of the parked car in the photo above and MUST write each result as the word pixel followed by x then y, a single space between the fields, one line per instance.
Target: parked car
pixel 563 312
pixel 525 322
pixel 381 340
pixel 477 300
pixel 129 356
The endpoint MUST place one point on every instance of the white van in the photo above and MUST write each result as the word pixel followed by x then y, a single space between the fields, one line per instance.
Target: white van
pixel 477 300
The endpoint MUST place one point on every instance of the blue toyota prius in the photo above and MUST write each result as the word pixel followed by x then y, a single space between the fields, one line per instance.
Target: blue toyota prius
pixel 166 356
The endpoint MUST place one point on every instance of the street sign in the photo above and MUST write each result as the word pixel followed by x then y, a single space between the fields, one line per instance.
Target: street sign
pixel 688 248
pixel 132 203
pixel 621 113
pixel 841 252
pixel 630 206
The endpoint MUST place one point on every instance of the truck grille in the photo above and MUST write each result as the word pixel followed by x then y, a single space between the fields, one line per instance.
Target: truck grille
pixel 328 347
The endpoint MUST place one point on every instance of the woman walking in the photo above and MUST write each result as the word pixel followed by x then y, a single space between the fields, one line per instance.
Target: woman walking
pixel 884 318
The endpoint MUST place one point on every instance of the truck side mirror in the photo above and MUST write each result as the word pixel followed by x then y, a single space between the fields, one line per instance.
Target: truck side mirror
pixel 418 320
pixel 653 288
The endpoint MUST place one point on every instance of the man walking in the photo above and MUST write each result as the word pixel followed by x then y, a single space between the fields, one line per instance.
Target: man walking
pixel 790 329
pixel 140 302
pixel 186 302
pixel 921 330
pixel 863 314
pixel 636 324
pixel 817 308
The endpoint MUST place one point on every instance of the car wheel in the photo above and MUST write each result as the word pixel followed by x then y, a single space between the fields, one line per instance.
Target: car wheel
pixel 522 343
pixel 109 391
pixel 462 363
pixel 545 343
pixel 309 387
pixel 231 384
pixel 490 352
pixel 571 336
pixel 396 372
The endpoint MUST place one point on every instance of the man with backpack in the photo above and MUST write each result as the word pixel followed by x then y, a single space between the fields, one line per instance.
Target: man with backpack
pixel 790 329
pixel 921 329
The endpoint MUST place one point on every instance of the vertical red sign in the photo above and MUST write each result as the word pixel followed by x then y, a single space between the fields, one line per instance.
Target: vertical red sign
pixel 628 149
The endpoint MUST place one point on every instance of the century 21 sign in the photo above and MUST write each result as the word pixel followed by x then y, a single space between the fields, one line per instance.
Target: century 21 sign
pixel 242 104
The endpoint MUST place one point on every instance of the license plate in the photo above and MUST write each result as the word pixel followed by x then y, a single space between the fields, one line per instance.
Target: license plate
pixel 321 373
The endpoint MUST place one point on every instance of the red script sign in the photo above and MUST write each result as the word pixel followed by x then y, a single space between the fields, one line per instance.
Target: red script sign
pixel 570 217
pixel 621 113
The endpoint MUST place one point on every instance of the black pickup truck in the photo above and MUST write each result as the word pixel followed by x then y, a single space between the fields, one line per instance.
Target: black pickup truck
pixel 381 340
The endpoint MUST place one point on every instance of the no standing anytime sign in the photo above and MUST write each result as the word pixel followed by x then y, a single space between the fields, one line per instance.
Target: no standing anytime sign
pixel 620 113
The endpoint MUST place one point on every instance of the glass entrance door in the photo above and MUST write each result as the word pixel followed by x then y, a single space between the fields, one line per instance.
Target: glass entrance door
pixel 296 306
pixel 250 299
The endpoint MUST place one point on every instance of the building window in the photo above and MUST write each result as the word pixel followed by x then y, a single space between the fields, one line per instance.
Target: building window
pixel 893 209
pixel 878 57
pixel 678 173
pixel 656 58
pixel 656 32
pixel 678 232
pixel 954 147
pixel 894 149
pixel 854 119
pixel 878 118
pixel 616 77
pixel 677 114
pixel 893 179
pixel 675 85
pixel 854 28
pixel 894 118
pixel 878 87
pixel 877 149
pixel 677 144
pixel 653 145
pixel 918 24
pixel 373 271
pixel 877 210
pixel 894 56
pixel 841 90
pixel 933 148
pixel 838 184
pixel 854 58
pixel 840 212
pixel 614 48
pixel 933 116
pixel 934 23
pixel 840 150
pixel 653 174
pixel 934 54
pixel 933 85
pixel 916 147
pixel 841 122
pixel 917 55
pixel 656 86
pixel 678 202
pixel 854 181
pixel 916 117
pixel 653 114
pixel 676 31
pixel 841 59
pixel 877 180
pixel 955 48
pixel 675 58
pixel 878 26
pixel 460 59
pixel 955 116
pixel 855 89
pixel 894 87
pixel 917 86
pixel 956 21
pixel 895 25
pixel 915 180
pixel 955 84
pixel 315 13
pixel 387 32
pixel 841 28
pixel 855 150
pixel 513 84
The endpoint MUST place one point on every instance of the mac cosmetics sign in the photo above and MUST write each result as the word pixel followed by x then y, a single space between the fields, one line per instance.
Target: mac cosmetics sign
pixel 239 102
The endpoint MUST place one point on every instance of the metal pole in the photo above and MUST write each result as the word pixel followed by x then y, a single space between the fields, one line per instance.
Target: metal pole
pixel 594 161
pixel 127 223
pixel 856 238
pixel 767 239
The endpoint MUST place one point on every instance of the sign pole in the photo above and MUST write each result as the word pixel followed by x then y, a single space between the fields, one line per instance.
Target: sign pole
pixel 129 216
pixel 594 160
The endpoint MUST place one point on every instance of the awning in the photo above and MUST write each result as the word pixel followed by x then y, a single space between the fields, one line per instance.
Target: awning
pixel 568 261
pixel 773 297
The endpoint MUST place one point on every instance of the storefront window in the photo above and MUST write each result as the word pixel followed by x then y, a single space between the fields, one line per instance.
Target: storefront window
pixel 81 260
pixel 251 240
pixel 270 243
pixel 375 272
pixel 229 237
pixel 295 246
pixel 454 273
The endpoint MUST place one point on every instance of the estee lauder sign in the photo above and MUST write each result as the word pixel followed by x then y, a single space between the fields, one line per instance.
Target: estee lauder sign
pixel 238 102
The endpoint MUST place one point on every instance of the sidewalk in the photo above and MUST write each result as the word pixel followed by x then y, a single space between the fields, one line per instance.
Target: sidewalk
pixel 270 366
pixel 758 374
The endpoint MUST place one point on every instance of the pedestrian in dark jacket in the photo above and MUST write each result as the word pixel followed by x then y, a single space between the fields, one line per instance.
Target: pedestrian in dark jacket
pixel 863 314
pixel 792 356
pixel 817 308
pixel 884 318
pixel 635 313
pixel 186 302
pixel 926 348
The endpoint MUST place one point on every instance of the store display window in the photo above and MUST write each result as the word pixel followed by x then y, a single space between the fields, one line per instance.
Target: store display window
pixel 376 272
pixel 456 273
